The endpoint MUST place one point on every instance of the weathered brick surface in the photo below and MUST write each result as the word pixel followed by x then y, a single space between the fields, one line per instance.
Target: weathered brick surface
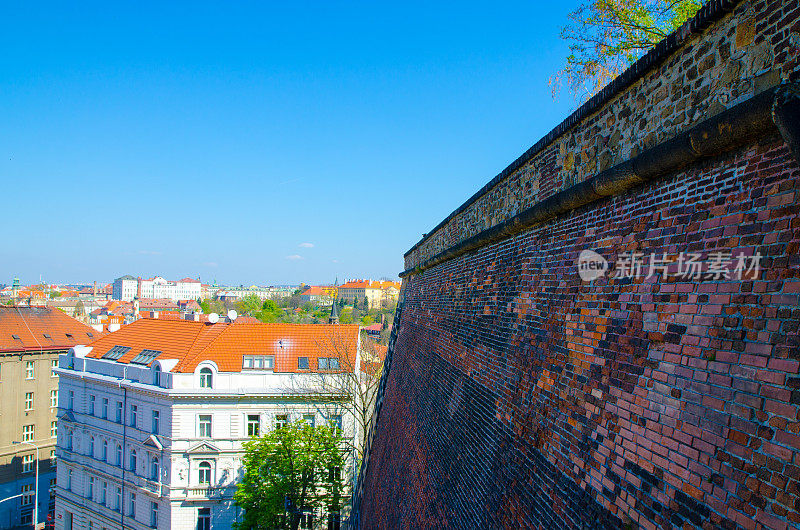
pixel 522 397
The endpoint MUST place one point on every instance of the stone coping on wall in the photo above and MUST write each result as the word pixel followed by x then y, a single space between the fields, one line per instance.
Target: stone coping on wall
pixel 691 75
pixel 768 113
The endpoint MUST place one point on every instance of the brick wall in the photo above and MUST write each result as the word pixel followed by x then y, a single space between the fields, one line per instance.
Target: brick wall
pixel 521 396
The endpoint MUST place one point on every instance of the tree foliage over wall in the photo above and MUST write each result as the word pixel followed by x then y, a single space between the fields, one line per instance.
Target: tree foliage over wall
pixel 607 36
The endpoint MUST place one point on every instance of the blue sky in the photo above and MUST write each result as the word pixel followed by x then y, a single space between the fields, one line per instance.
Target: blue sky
pixel 258 142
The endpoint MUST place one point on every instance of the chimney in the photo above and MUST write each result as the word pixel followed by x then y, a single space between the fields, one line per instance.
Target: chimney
pixel 139 287
pixel 94 289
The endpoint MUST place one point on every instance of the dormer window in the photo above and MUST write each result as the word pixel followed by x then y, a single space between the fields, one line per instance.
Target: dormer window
pixel 206 376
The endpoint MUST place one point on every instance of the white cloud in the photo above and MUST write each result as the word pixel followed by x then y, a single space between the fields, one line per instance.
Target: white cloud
pixel 306 245
pixel 211 264
pixel 149 252
pixel 294 257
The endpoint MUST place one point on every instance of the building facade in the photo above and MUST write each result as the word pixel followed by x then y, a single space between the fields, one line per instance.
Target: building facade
pixel 127 288
pixel 31 338
pixel 153 417
pixel 377 293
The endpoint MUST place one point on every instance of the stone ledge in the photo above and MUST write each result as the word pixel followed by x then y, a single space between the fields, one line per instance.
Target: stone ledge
pixel 711 12
pixel 770 112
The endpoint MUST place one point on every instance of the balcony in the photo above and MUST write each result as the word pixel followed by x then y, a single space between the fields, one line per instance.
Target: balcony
pixel 208 492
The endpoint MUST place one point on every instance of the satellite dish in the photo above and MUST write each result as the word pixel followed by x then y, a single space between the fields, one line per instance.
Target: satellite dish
pixel 213 318
pixel 232 315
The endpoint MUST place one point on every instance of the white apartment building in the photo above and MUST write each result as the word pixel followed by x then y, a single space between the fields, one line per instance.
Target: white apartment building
pixel 153 417
pixel 127 288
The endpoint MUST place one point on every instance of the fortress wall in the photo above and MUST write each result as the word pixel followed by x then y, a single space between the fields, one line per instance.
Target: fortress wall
pixel 521 396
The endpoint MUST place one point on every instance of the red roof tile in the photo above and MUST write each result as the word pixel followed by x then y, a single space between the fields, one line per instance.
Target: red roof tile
pixel 24 329
pixel 225 344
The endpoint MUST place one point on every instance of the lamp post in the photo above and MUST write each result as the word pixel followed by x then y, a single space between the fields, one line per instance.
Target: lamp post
pixel 35 486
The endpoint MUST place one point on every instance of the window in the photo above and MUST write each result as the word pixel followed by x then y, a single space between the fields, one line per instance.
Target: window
pixel 92 399
pixel 157 375
pixel 52 457
pixel 133 460
pixel 116 352
pixel 154 468
pixel 145 357
pixel 104 451
pixel 118 460
pixel 27 463
pixel 281 421
pixel 156 421
pixel 28 400
pixel 336 420
pixel 118 499
pixel 54 398
pixel 309 419
pixel 132 504
pixel 334 474
pixel 204 421
pixel 205 378
pixel 27 433
pixel 253 422
pixel 328 363
pixel 71 400
pixel 119 411
pixel 153 514
pixel 104 408
pixel 69 480
pixel 69 440
pixel 53 429
pixel 306 519
pixel 28 369
pixel 53 366
pixel 204 519
pixel 27 494
pixel 90 492
pixel 103 491
pixel 91 446
pixel 134 411
pixel 302 363
pixel 334 519
pixel 204 474
pixel 258 362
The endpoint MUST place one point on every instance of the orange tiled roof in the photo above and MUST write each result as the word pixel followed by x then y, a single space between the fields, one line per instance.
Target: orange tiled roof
pixel 225 344
pixel 31 323
pixel 318 290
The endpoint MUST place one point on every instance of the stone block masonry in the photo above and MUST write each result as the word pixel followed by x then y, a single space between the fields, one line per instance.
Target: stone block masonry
pixel 520 396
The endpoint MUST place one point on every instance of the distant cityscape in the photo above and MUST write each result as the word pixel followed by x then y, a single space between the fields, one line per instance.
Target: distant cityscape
pixel 106 393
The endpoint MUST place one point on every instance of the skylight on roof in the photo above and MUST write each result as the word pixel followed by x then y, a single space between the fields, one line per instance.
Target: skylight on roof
pixel 145 357
pixel 47 335
pixel 116 352
pixel 15 337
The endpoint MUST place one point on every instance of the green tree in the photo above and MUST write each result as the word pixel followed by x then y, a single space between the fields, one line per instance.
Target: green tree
pixel 288 470
pixel 249 304
pixel 607 36
pixel 366 320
